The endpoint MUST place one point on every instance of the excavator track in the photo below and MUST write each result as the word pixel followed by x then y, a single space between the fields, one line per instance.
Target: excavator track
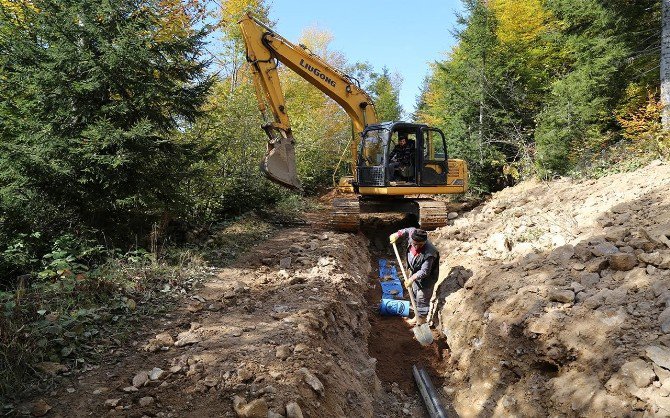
pixel 432 214
pixel 346 214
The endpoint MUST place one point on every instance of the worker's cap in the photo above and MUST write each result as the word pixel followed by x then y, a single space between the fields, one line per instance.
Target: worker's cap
pixel 420 235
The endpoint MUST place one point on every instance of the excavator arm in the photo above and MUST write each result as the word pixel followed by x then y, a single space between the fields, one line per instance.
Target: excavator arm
pixel 265 49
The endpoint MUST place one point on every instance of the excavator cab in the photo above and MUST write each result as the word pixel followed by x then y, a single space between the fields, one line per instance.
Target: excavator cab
pixel 423 160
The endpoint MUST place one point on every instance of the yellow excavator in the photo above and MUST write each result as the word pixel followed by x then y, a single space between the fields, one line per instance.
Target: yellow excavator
pixel 375 184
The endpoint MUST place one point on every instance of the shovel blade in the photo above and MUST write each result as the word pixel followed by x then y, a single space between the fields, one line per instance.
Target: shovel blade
pixel 423 334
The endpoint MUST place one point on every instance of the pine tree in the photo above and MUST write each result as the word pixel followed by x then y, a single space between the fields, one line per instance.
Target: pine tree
pixel 91 94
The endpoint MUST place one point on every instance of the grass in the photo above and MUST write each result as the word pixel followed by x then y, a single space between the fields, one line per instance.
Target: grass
pixel 72 318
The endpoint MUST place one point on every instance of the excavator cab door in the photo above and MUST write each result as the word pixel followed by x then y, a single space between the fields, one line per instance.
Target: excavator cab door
pixel 371 170
pixel 433 157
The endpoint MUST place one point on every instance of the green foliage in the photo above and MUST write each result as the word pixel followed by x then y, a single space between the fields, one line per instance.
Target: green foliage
pixel 385 92
pixel 539 87
pixel 91 95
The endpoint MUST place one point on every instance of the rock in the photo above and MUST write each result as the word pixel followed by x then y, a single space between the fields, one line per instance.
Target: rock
pixel 40 408
pixel 662 373
pixel 323 236
pixel 639 371
pixel 285 263
pixel 140 379
pixel 187 338
pixel 283 352
pixel 578 266
pixel 596 265
pixel 293 410
pixel 129 389
pixel 659 355
pixel 161 340
pixel 616 234
pixel 562 253
pixel 156 373
pixel 499 242
pixel 603 249
pixel 164 339
pixel 561 295
pixel 244 374
pixel 622 261
pixel 111 403
pixel 589 280
pixel 545 323
pixel 258 408
pixel 313 381
pixel 452 215
pixel 51 368
pixel 146 401
pixel 664 320
pixel 234 332
pixel 210 381
pixel 300 347
pixel 577 287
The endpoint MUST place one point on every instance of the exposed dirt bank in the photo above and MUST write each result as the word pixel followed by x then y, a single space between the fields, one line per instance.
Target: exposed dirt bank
pixel 282 332
pixel 557 300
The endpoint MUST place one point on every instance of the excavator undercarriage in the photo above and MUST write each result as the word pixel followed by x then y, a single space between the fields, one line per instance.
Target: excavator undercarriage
pixel 346 212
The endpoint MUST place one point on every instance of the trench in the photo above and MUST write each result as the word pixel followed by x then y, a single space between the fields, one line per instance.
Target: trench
pixel 391 339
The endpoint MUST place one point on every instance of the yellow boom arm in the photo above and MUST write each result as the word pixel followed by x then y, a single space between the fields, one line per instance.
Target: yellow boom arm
pixel 264 49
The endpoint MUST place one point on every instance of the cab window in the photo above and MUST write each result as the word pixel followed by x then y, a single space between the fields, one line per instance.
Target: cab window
pixel 434 146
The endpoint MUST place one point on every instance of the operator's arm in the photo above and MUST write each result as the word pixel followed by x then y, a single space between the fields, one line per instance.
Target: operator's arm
pixel 401 233
pixel 394 153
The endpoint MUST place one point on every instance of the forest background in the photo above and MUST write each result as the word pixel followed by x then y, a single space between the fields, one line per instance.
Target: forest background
pixel 120 130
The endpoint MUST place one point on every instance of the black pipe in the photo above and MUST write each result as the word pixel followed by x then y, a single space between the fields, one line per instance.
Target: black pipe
pixel 428 393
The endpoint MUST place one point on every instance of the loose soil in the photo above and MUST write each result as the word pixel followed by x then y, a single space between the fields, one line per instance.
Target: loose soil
pixel 292 325
pixel 553 300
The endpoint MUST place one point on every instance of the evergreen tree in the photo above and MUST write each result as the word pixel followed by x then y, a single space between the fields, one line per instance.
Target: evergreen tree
pixel 385 91
pixel 91 94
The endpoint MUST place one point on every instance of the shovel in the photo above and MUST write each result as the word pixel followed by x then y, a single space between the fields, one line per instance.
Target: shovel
pixel 422 332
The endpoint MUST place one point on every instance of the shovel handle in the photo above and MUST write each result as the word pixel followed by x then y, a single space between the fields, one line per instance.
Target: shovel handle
pixel 411 294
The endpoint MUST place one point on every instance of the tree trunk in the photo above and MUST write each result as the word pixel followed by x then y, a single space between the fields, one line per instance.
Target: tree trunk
pixel 665 65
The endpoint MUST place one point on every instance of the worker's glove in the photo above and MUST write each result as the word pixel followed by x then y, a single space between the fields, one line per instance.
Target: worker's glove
pixel 408 283
pixel 393 237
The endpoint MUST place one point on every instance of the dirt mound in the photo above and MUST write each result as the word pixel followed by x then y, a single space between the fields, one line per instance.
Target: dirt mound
pixel 557 299
pixel 283 332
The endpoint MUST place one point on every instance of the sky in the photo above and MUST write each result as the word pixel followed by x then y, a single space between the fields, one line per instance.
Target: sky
pixel 403 35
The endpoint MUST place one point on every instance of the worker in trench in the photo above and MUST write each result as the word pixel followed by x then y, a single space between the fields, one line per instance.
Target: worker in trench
pixel 423 261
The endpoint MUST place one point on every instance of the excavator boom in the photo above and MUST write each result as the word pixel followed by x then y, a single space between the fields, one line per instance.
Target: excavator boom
pixel 265 49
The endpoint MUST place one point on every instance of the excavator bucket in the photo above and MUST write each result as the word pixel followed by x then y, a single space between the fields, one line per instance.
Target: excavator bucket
pixel 278 163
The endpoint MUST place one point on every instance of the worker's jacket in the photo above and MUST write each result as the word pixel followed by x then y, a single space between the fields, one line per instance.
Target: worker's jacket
pixel 403 155
pixel 426 264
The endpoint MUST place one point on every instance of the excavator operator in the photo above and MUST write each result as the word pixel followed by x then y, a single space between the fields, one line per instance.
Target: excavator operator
pixel 400 159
